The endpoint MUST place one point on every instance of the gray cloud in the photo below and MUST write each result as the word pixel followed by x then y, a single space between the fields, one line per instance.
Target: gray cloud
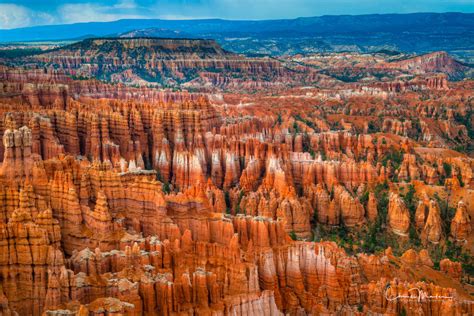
pixel 13 16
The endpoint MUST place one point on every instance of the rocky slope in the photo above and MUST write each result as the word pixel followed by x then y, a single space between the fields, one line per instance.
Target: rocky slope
pixel 163 62
pixel 437 62
pixel 386 67
pixel 202 65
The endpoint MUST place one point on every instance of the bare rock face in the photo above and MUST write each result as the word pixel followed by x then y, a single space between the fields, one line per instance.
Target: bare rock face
pixel 17 160
pixel 461 223
pixel 420 215
pixel 44 140
pixel 433 62
pixel 453 269
pixel 372 207
pixel 409 168
pixel 432 231
pixel 322 201
pixel 99 220
pixel 397 127
pixel 425 258
pixel 398 215
pixel 411 257
pixel 36 248
pixel 352 211
pixel 109 305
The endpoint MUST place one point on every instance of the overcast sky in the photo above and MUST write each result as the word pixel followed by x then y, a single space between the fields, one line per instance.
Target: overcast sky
pixel 22 13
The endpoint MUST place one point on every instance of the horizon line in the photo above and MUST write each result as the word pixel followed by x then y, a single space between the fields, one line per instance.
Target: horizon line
pixel 235 20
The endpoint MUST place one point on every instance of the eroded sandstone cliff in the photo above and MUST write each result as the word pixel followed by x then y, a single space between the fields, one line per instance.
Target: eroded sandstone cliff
pixel 122 200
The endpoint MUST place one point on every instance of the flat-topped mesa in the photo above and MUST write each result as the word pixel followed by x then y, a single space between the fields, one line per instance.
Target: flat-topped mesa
pixel 167 62
pixel 17 158
pixel 166 47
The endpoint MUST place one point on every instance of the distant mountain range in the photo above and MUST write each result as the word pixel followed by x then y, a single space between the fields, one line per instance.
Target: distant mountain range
pixel 417 33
